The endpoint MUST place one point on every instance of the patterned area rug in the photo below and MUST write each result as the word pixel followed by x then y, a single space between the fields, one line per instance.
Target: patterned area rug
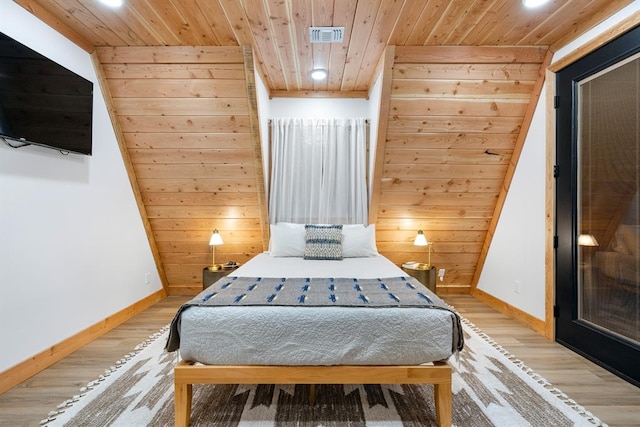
pixel 490 388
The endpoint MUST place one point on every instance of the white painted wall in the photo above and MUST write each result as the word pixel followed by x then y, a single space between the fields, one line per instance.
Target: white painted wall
pixel 517 250
pixel 514 267
pixel 375 100
pixel 73 250
pixel 319 107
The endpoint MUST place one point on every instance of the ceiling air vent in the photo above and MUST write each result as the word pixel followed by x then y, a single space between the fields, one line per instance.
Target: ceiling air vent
pixel 326 34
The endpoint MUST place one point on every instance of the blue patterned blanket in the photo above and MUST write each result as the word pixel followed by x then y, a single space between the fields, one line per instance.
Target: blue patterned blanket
pixel 316 292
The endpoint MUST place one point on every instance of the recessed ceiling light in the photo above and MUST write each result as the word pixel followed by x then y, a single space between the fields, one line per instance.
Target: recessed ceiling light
pixel 319 74
pixel 113 3
pixel 534 3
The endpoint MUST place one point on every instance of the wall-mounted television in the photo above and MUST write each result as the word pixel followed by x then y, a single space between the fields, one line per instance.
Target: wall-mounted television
pixel 42 102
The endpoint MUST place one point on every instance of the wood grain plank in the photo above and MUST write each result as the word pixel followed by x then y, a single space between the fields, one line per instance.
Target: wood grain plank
pixel 462 107
pixel 202 212
pixel 200 199
pixel 181 106
pixel 172 171
pixel 185 124
pixel 483 89
pixel 445 171
pixel 458 156
pixel 412 124
pixel 362 24
pixel 169 54
pixel 190 155
pixel 343 16
pixel 435 212
pixel 451 140
pixel 195 185
pixel 164 224
pixel 435 224
pixel 470 54
pixel 176 88
pixel 453 185
pixel 238 237
pixel 187 140
pixel 471 200
pixel 142 13
pixel 182 251
pixel 466 71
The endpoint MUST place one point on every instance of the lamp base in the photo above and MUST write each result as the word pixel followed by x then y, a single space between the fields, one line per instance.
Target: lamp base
pixel 423 266
pixel 215 267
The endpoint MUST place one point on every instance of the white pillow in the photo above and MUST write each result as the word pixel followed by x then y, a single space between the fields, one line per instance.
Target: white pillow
pixel 359 241
pixel 287 239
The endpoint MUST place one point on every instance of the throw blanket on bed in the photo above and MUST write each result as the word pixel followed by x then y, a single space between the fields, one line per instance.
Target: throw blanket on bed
pixel 314 292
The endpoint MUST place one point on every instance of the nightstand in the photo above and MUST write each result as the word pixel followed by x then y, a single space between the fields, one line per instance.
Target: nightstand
pixel 210 277
pixel 425 276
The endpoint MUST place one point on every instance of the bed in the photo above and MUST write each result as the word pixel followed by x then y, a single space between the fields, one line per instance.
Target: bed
pixel 357 320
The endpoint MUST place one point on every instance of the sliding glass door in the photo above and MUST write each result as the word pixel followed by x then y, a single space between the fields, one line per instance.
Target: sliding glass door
pixel 598 206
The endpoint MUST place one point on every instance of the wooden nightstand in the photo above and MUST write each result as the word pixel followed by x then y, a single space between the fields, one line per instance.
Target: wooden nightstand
pixel 426 276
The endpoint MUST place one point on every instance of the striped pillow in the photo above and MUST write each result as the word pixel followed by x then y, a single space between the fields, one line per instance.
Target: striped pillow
pixel 323 242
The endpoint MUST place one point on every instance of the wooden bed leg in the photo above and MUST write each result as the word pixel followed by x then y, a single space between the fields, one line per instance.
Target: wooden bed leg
pixel 183 394
pixel 442 394
pixel 312 394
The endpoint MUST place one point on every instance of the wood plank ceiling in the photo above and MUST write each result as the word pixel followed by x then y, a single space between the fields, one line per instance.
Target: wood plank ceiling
pixel 453 123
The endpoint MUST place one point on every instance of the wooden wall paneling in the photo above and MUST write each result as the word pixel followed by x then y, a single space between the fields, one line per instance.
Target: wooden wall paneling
pixel 189 128
pixel 455 118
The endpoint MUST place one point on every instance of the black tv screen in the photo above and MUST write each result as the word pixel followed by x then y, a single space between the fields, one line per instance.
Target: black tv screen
pixel 42 102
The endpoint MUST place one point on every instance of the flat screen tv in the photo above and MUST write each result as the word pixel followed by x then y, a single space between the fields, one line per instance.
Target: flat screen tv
pixel 42 102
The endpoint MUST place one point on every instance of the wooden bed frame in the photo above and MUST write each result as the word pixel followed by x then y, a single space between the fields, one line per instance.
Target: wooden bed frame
pixel 186 374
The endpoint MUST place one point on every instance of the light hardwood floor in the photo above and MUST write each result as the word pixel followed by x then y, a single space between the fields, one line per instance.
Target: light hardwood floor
pixel 614 401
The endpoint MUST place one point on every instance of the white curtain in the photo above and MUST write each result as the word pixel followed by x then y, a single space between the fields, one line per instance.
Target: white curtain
pixel 318 172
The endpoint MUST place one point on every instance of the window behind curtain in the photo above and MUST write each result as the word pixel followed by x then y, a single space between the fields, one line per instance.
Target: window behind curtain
pixel 318 172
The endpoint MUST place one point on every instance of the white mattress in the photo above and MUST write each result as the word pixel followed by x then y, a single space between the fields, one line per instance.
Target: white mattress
pixel 316 335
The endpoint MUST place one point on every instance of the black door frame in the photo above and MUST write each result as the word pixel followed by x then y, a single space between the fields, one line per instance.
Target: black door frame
pixel 615 354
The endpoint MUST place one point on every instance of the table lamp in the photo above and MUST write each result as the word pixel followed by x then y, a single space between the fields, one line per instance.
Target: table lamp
pixel 421 240
pixel 216 240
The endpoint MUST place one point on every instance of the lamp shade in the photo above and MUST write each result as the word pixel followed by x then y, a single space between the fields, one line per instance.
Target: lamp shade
pixel 216 239
pixel 587 240
pixel 421 239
